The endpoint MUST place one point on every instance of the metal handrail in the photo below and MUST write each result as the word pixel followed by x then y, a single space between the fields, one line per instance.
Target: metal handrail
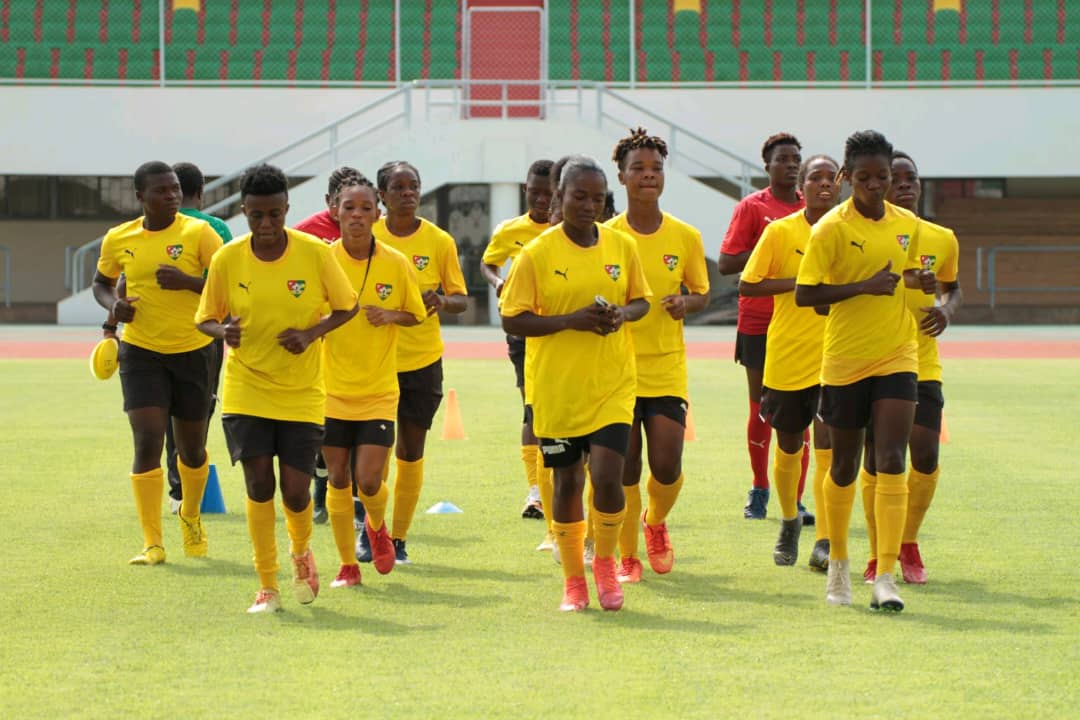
pixel 7 274
pixel 991 268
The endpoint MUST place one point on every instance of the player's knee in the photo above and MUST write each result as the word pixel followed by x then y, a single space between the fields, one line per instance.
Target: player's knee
pixel 844 469
pixel 296 499
pixel 924 459
pixel 890 460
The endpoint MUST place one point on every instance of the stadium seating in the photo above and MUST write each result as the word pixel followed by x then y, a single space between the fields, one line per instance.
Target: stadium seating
pixel 755 41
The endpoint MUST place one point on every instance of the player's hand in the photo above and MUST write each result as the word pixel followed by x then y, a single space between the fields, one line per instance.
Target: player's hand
pixel 675 306
pixel 232 332
pixel 170 277
pixel 378 316
pixel 617 317
pixel 499 287
pixel 124 308
pixel 591 318
pixel 883 282
pixel 936 320
pixel 433 301
pixel 927 281
pixel 295 341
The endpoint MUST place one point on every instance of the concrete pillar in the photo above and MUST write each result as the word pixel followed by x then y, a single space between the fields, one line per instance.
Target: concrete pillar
pixel 505 204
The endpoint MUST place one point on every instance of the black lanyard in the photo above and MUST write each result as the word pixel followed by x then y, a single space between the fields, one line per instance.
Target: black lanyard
pixel 367 268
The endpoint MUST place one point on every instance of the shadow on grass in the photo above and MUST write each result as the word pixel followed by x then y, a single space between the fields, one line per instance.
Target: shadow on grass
pixel 447 540
pixel 630 619
pixel 323 618
pixel 964 624
pixel 465 573
pixel 402 594
pixel 207 567
pixel 717 589
pixel 969 591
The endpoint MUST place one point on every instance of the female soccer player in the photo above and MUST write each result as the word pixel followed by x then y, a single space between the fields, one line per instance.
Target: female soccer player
pixel 939 252
pixel 781 153
pixel 420 375
pixel 570 292
pixel 869 364
pixel 165 364
pixel 672 258
pixel 506 242
pixel 265 295
pixel 789 397
pixel 360 363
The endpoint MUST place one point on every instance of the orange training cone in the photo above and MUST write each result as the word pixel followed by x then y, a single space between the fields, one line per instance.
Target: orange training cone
pixel 453 429
pixel 944 436
pixel 691 433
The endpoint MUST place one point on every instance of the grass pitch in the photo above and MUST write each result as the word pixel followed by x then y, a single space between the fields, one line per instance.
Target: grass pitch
pixel 471 628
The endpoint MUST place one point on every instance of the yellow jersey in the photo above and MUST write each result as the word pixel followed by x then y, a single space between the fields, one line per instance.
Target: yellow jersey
pixel 509 237
pixel 581 381
pixel 433 253
pixel 793 344
pixel 261 377
pixel 162 321
pixel 866 335
pixel 938 251
pixel 360 359
pixel 671 257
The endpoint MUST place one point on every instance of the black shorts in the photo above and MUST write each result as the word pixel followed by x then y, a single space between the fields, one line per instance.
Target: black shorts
pixel 931 403
pixel 179 382
pixel 750 351
pixel 669 406
pixel 353 433
pixel 790 411
pixel 421 393
pixel 515 348
pixel 848 406
pixel 563 452
pixel 294 443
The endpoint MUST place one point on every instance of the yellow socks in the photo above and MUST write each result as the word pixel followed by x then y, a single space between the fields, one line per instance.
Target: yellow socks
pixel 606 526
pixel 260 521
pixel 838 503
pixel 890 509
pixel 149 487
pixel 298 524
pixel 590 521
pixel 339 506
pixel 628 535
pixel 822 463
pixel 868 483
pixel 921 487
pixel 546 480
pixel 571 540
pixel 192 486
pixel 410 478
pixel 661 500
pixel 528 458
pixel 375 506
pixel 786 471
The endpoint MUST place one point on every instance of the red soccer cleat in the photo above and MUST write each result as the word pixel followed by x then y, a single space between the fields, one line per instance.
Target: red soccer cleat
pixel 575 595
pixel 911 564
pixel 658 546
pixel 608 589
pixel 629 570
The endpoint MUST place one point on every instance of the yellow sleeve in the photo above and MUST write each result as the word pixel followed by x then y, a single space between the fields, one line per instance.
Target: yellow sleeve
pixel 519 293
pixel 107 264
pixel 338 290
pixel 214 302
pixel 951 268
pixel 819 256
pixel 498 250
pixel 450 277
pixel 412 300
pixel 696 274
pixel 761 263
pixel 209 243
pixel 636 284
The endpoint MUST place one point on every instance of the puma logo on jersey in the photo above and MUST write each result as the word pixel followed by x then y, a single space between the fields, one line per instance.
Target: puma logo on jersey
pixel 246 287
pixel 756 443
pixel 174 251
pixel 519 244
pixel 800 252
pixel 129 252
pixel 859 245
pixel 563 273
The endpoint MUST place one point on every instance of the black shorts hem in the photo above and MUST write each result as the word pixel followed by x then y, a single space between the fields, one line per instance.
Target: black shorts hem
pixel 564 452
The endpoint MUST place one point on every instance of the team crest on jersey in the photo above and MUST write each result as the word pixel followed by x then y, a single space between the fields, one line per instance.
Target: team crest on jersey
pixel 296 287
pixel 613 271
pixel 383 290
pixel 671 261
pixel 174 251
pixel 904 240
pixel 420 261
pixel 927 261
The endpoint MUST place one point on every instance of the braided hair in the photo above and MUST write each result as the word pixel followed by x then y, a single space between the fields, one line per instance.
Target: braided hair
pixel 637 139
